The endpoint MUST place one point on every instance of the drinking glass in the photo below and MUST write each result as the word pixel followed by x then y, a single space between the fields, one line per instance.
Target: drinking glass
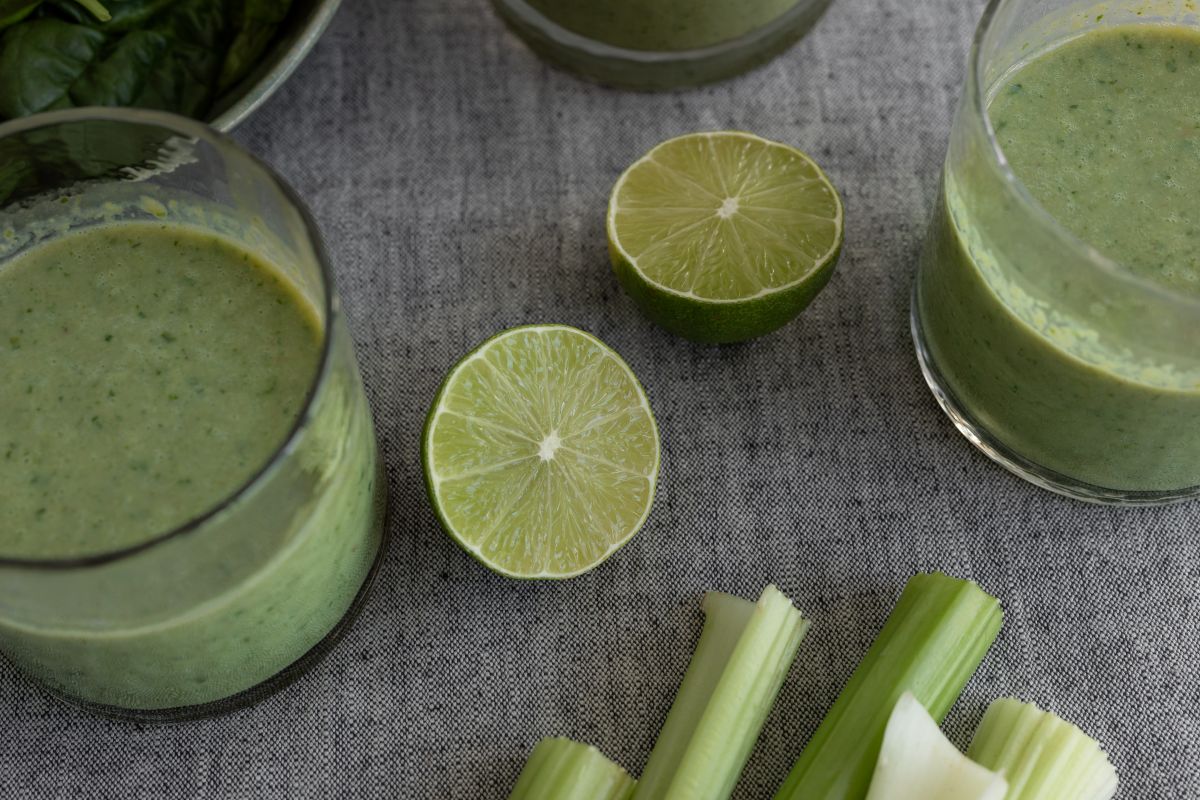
pixel 240 600
pixel 1055 361
pixel 659 44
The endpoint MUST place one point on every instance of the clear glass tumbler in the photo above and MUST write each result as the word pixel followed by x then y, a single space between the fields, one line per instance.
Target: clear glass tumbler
pixel 224 609
pixel 660 44
pixel 1055 361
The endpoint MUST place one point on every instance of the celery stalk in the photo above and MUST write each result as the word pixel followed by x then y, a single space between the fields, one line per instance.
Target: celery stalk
pixel 560 769
pixel 917 762
pixel 1043 757
pixel 739 666
pixel 931 645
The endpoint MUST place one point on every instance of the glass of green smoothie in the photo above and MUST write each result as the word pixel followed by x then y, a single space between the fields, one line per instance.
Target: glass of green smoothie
pixel 660 44
pixel 192 498
pixel 1056 311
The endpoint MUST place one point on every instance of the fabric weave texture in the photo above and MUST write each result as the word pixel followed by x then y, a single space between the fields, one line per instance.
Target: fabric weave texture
pixel 461 186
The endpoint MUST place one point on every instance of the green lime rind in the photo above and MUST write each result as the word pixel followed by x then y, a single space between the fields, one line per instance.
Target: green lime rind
pixel 759 271
pixel 710 322
pixel 467 538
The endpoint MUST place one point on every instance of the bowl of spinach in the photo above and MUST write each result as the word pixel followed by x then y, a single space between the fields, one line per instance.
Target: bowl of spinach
pixel 214 60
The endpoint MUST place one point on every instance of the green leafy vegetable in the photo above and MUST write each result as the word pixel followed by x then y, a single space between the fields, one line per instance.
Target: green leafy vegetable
pixel 74 10
pixel 125 15
pixel 39 62
pixel 188 79
pixel 121 77
pixel 96 9
pixel 256 22
pixel 1043 757
pixel 176 55
pixel 13 11
pixel 931 645
pixel 917 762
pixel 740 663
pixel 560 769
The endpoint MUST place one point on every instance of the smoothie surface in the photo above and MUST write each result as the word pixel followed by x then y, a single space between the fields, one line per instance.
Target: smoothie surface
pixel 149 371
pixel 662 25
pixel 1104 130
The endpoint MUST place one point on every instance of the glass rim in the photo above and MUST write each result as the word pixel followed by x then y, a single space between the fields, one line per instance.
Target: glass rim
pixel 598 49
pixel 191 128
pixel 977 91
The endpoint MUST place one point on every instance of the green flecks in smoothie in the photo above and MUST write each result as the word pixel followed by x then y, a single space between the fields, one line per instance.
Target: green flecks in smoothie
pixel 181 327
pixel 1108 140
pixel 662 25
pixel 1105 132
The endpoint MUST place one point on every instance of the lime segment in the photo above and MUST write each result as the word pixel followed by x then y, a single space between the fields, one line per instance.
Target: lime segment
pixel 724 236
pixel 541 452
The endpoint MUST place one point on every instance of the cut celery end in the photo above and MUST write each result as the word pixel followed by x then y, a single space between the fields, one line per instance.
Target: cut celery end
pixel 931 645
pixel 1043 757
pixel 917 762
pixel 560 769
pixel 739 666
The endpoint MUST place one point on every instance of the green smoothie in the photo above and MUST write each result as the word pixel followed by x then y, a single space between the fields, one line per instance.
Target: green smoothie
pixel 1104 131
pixel 662 25
pixel 151 370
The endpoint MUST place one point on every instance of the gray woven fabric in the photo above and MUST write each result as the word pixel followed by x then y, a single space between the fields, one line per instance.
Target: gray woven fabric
pixel 461 185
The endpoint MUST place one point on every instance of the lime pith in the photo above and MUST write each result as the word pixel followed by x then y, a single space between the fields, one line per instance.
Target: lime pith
pixel 541 453
pixel 722 237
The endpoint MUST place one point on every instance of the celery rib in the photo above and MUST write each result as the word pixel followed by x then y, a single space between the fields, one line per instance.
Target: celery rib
pixel 918 762
pixel 560 769
pixel 1043 757
pixel 740 663
pixel 931 644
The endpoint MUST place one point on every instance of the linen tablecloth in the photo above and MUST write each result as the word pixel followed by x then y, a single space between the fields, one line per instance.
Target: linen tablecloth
pixel 461 185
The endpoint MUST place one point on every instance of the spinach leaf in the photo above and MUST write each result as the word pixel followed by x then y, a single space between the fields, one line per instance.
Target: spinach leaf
pixel 121 77
pixel 39 61
pixel 186 80
pixel 256 22
pixel 13 11
pixel 96 8
pixel 175 55
pixel 127 15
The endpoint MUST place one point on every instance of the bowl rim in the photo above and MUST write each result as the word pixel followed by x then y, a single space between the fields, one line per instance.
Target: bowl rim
pixel 596 48
pixel 250 97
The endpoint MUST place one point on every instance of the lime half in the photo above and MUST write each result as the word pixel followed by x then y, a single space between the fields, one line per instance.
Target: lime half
pixel 721 237
pixel 541 452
